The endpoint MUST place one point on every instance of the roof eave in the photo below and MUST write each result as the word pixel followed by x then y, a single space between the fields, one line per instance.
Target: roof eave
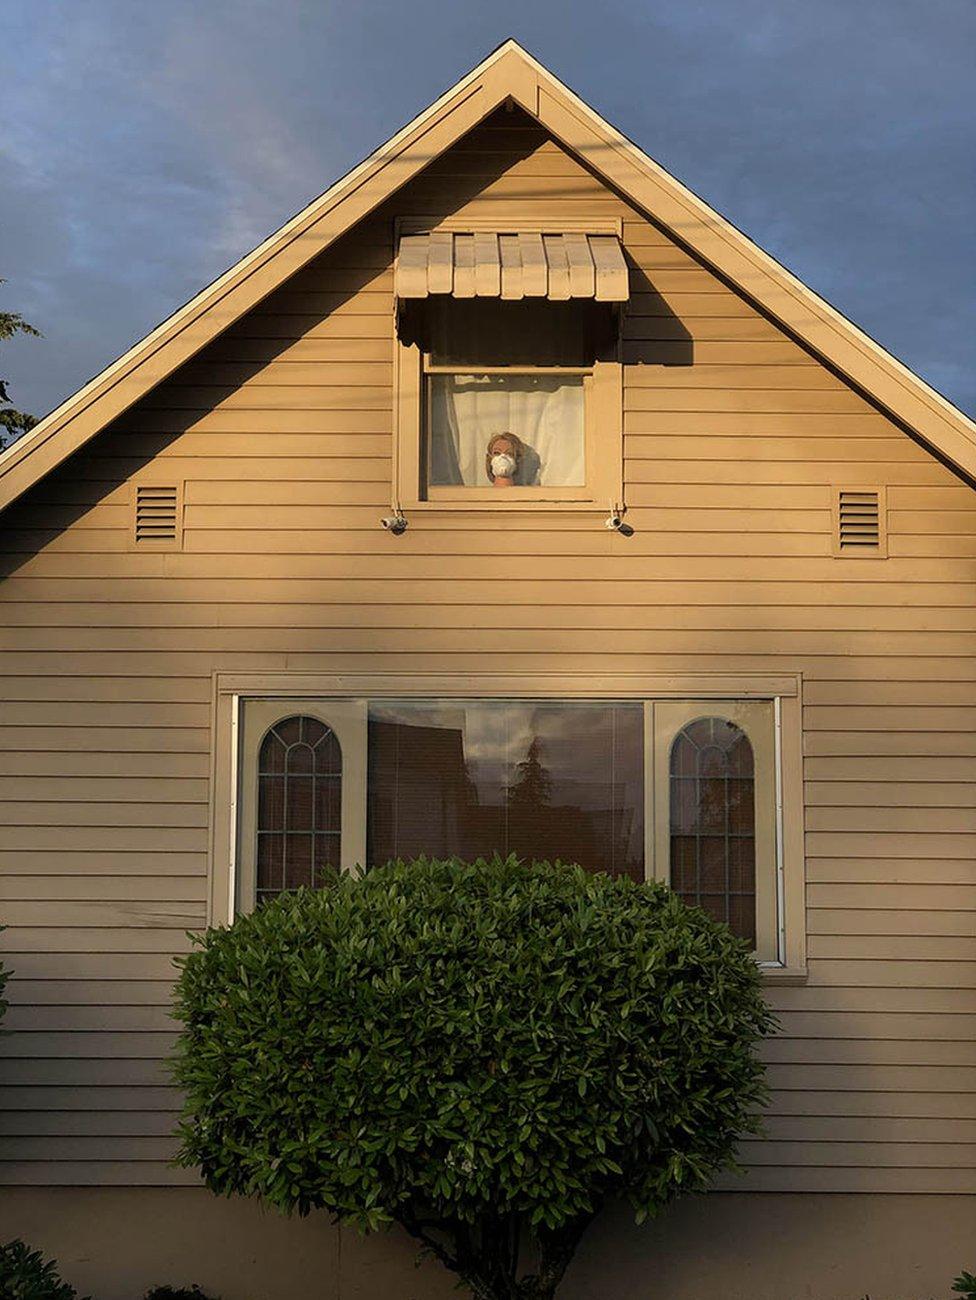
pixel 509 72
pixel 178 338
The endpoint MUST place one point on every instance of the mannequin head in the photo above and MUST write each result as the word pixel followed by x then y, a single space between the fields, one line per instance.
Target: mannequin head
pixel 502 459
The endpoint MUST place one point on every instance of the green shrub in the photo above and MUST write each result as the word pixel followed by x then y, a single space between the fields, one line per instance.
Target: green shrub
pixel 484 1053
pixel 26 1275
pixel 176 1293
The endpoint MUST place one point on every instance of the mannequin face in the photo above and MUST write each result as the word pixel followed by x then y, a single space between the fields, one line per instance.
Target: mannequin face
pixel 503 457
pixel 503 465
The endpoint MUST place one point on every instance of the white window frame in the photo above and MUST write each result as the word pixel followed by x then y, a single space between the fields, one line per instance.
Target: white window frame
pixel 346 719
pixel 289 693
pixel 663 722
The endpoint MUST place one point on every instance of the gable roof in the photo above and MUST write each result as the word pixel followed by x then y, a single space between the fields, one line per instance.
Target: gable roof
pixel 508 73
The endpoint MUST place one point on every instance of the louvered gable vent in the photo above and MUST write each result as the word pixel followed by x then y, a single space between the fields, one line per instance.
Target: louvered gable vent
pixel 859 522
pixel 157 518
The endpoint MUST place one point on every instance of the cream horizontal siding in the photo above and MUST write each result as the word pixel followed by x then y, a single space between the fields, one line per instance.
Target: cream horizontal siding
pixel 282 433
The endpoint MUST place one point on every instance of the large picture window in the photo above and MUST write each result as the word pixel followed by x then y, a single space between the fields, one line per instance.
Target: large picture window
pixel 683 791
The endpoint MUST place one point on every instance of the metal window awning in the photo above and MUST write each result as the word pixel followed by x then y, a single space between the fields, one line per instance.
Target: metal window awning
pixel 512 266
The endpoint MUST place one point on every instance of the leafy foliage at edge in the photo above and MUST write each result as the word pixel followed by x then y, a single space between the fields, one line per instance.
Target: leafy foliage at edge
pixel 13 423
pixel 26 1275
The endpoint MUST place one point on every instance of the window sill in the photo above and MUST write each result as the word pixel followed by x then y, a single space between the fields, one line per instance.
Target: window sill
pixel 784 974
pixel 505 504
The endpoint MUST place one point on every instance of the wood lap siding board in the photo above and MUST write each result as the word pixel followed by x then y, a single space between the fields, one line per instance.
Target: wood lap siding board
pixel 280 432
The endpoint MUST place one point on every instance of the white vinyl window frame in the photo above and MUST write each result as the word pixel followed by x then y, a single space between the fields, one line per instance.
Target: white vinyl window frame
pixel 346 718
pixel 664 720
pixel 768 709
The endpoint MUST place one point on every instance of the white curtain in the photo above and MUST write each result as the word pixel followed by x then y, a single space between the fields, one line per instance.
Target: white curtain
pixel 544 411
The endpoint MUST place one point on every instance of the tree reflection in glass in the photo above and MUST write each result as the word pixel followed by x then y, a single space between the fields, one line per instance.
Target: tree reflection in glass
pixel 538 778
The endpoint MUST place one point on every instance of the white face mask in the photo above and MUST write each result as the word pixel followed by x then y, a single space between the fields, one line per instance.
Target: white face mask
pixel 503 465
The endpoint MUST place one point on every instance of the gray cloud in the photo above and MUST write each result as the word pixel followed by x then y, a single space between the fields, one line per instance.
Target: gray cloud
pixel 147 147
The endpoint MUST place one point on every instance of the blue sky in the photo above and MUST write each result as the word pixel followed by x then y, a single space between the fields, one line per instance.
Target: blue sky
pixel 146 146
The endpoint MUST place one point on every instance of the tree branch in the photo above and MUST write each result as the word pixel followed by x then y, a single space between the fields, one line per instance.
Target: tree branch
pixel 464 1261
pixel 418 1230
pixel 556 1248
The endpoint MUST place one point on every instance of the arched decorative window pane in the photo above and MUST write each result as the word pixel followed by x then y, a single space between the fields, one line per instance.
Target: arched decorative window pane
pixel 299 823
pixel 713 830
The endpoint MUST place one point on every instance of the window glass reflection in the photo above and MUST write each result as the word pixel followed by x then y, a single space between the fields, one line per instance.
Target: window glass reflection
pixel 537 778
pixel 299 816
pixel 713 840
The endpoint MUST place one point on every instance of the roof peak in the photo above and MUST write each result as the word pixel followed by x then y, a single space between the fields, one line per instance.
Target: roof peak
pixel 508 72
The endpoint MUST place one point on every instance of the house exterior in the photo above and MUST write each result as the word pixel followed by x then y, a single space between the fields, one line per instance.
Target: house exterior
pixel 513 331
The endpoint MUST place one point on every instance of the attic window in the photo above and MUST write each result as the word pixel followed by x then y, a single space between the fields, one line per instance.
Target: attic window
pixel 859 523
pixel 157 516
pixel 505 387
pixel 509 369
